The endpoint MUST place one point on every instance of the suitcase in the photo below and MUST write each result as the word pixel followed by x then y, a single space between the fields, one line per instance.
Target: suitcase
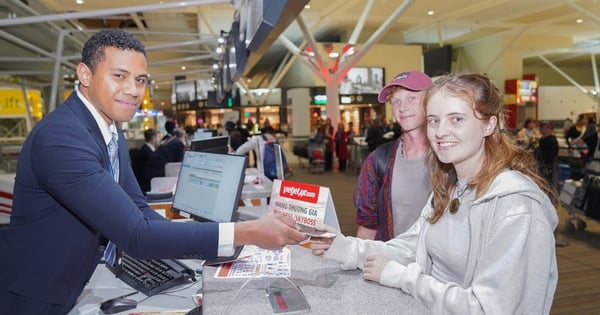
pixel 592 204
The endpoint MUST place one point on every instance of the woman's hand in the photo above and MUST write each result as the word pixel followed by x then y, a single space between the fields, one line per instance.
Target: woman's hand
pixel 373 267
pixel 320 245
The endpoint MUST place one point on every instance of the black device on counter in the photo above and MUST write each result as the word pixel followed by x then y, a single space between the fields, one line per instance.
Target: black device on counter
pixel 219 144
pixel 117 305
pixel 151 276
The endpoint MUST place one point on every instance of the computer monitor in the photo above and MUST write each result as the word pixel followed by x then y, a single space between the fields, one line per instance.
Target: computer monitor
pixel 212 145
pixel 209 186
pixel 279 166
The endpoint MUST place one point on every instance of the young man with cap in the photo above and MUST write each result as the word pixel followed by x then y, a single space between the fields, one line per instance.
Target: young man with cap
pixel 380 214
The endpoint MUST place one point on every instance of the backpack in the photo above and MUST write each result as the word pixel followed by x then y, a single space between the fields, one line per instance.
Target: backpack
pixel 383 154
pixel 269 164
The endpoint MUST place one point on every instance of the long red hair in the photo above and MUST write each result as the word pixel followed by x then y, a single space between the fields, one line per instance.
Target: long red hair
pixel 500 152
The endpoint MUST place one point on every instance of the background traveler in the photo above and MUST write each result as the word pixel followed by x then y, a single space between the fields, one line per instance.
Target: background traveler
pixel 380 213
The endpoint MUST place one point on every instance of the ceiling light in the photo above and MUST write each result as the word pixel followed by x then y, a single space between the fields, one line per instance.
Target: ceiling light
pixel 79 1
pixel 182 67
pixel 307 6
pixel 430 12
pixel 579 21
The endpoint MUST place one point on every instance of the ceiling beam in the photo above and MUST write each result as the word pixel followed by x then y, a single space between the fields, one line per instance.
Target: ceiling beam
pixel 105 12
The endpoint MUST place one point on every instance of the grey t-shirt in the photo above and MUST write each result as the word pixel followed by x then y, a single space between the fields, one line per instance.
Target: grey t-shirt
pixel 448 241
pixel 410 189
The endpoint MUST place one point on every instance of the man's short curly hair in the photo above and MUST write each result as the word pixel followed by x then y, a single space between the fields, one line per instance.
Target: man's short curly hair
pixel 93 50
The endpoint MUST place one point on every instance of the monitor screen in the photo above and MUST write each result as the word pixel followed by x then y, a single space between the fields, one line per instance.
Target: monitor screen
pixel 213 145
pixel 209 186
pixel 279 165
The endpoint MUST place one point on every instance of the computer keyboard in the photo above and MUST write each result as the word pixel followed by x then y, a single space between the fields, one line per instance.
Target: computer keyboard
pixel 152 276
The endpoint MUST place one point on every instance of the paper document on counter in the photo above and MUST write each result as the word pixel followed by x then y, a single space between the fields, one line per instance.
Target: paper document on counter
pixel 257 262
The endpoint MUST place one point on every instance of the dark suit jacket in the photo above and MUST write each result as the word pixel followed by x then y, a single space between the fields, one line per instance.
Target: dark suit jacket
pixel 142 156
pixel 66 205
pixel 172 151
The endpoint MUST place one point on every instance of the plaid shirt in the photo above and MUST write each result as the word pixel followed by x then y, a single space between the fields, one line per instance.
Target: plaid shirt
pixel 368 194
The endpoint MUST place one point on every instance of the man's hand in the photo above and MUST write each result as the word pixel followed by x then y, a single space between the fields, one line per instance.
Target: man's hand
pixel 373 267
pixel 270 232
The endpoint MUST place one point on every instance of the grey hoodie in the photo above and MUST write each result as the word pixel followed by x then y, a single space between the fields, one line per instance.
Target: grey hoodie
pixel 511 265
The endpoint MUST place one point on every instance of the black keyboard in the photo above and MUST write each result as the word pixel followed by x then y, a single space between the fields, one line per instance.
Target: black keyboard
pixel 152 276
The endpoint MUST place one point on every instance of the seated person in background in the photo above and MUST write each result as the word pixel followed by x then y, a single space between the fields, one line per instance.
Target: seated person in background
pixel 528 134
pixel 374 134
pixel 484 243
pixel 138 163
pixel 169 126
pixel 257 144
pixel 546 152
pixel 242 129
pixel 170 151
pixel 267 128
pixel 588 138
pixel 235 137
pixel 572 132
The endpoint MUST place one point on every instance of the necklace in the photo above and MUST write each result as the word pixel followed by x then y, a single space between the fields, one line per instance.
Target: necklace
pixel 455 203
pixel 402 154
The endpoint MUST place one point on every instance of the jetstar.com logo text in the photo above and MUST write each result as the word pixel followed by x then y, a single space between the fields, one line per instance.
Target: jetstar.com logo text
pixel 299 191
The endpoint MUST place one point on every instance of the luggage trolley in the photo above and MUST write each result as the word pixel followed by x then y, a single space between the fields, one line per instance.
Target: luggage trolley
pixel 581 199
pixel 317 160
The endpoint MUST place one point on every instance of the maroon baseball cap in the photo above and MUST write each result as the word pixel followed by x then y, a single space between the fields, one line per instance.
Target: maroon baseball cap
pixel 546 124
pixel 411 80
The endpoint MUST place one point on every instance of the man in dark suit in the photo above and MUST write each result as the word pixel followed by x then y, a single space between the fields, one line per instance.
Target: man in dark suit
pixel 169 126
pixel 168 152
pixel 70 199
pixel 142 156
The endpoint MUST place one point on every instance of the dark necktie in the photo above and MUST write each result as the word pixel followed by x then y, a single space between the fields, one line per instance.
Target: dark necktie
pixel 110 252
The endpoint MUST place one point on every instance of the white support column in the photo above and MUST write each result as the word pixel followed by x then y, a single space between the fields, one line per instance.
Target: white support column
pixel 105 12
pixel 361 22
pixel 333 100
pixel 323 68
pixel 596 82
pixel 56 71
pixel 249 94
pixel 566 76
pixel 276 77
pixel 296 51
pixel 350 62
pixel 300 101
pixel 29 119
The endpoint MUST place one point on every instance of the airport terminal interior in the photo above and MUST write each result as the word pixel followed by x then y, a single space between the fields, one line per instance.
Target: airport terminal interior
pixel 291 64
